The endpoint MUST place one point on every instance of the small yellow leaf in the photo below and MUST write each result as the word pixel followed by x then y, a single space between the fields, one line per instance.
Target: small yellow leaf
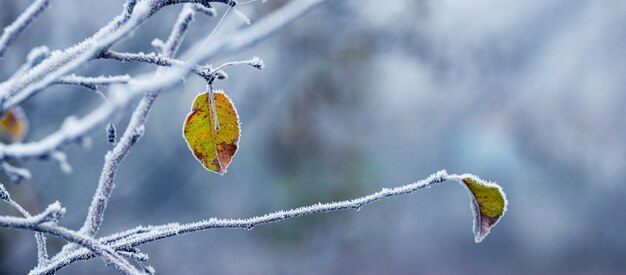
pixel 488 204
pixel 13 126
pixel 213 145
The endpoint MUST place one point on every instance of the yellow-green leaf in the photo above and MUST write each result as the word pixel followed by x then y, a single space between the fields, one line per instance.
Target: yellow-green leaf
pixel 213 145
pixel 13 126
pixel 488 204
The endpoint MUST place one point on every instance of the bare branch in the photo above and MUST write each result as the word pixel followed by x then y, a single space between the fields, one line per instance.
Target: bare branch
pixel 92 83
pixel 15 174
pixel 168 231
pixel 13 31
pixel 52 213
pixel 146 234
pixel 254 62
pixel 114 157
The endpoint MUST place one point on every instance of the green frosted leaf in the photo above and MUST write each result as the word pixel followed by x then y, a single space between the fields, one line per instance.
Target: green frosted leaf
pixel 488 204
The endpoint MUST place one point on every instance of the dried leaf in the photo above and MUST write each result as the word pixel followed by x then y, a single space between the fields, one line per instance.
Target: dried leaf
pixel 214 148
pixel 13 126
pixel 488 204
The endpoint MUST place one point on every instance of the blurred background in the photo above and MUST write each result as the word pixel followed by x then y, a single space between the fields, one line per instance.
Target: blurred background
pixel 356 96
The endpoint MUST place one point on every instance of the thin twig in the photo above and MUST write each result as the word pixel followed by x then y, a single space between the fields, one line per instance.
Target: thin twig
pixel 93 82
pixel 154 58
pixel 13 31
pixel 40 239
pixel 146 234
pixel 255 62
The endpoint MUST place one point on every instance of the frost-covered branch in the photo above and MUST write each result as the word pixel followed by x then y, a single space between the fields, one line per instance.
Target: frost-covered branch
pixel 133 131
pixel 42 251
pixel 71 130
pixel 93 82
pixel 52 213
pixel 206 72
pixel 15 174
pixel 160 232
pixel 157 59
pixel 147 84
pixel 255 62
pixel 146 234
pixel 56 67
pixel 21 87
pixel 15 29
pixel 45 222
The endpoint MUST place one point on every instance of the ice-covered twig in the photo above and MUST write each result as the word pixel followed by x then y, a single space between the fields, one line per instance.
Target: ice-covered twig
pixel 157 59
pixel 207 10
pixel 42 251
pixel 70 131
pixel 34 57
pixel 146 234
pixel 52 213
pixel 256 62
pixel 15 29
pixel 358 203
pixel 93 82
pixel 206 72
pixel 15 174
pixel 137 256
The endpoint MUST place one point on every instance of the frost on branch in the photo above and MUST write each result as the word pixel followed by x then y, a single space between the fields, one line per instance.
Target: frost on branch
pixel 16 28
pixel 212 130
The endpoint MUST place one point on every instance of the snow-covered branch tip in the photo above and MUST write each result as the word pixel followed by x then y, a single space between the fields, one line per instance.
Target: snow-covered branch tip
pixel 52 214
pixel 255 62
pixel 15 29
pixel 15 174
pixel 40 239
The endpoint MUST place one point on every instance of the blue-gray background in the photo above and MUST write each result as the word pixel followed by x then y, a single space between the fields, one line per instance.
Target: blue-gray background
pixel 356 96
